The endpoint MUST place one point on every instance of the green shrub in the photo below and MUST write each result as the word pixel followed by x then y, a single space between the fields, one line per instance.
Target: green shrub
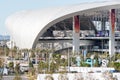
pixel 83 64
pixel 117 65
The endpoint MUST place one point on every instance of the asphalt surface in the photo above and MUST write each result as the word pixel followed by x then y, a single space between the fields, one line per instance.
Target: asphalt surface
pixel 12 77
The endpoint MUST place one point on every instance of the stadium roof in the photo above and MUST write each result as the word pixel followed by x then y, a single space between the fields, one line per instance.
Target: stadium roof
pixel 27 26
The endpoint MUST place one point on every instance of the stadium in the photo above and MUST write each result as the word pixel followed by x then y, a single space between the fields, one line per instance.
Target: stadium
pixel 98 27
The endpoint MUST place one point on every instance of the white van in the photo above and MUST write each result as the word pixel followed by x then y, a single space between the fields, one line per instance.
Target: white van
pixel 5 71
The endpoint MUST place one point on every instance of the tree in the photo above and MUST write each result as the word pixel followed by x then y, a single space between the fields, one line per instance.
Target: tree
pixel 14 52
pixel 57 60
pixel 17 68
pixel 63 64
pixel 96 64
pixel 17 77
pixel 32 71
pixel 1 63
pixel 117 56
pixel 88 55
pixel 73 60
pixel 7 51
pixel 57 57
pixel 11 65
pixel 30 64
pixel 31 74
pixel 53 67
pixel 19 54
pixel 41 66
pixel 1 51
pixel 32 54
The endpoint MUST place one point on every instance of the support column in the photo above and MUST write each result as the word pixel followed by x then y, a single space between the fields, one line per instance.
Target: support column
pixel 111 33
pixel 76 34
pixel 103 24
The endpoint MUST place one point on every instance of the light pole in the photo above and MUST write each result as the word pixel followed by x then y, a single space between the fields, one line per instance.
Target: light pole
pixel 68 60
pixel 4 40
pixel 92 57
pixel 50 56
pixel 49 63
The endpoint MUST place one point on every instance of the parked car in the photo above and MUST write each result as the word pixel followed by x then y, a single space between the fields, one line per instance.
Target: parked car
pixel 24 68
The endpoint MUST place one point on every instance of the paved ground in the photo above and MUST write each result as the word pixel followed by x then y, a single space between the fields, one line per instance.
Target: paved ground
pixel 12 77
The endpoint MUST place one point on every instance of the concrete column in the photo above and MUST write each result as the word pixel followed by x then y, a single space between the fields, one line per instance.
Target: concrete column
pixel 111 33
pixel 76 33
pixel 52 45
pixel 103 24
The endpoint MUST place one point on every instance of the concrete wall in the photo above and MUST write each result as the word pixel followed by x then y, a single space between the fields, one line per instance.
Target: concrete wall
pixel 80 76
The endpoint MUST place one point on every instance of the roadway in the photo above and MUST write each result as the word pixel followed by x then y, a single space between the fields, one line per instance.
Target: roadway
pixel 12 77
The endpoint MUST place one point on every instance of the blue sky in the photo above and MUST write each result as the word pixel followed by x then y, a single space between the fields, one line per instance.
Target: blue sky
pixel 8 7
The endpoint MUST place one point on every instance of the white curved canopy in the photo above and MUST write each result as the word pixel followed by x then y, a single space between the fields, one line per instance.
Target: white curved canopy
pixel 27 26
